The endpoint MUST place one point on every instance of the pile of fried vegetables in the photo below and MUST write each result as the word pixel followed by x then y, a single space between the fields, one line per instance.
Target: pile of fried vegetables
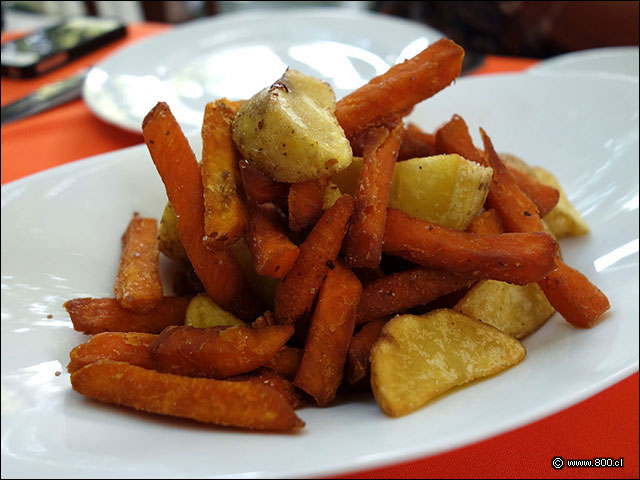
pixel 328 247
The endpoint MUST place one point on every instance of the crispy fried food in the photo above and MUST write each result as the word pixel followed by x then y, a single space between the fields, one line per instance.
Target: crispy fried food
pixel 271 378
pixel 227 403
pixel 286 361
pixel 219 271
pixel 579 301
pixel 515 309
pixel 418 358
pixel 416 143
pixel 272 251
pixel 306 200
pixel 225 216
pixel 511 257
pixel 330 332
pixel 97 315
pixel 297 290
pixel 358 362
pixel 259 187
pixel 453 137
pixel 400 291
pixel 130 347
pixel 137 286
pixel 289 131
pixel 488 222
pixel 392 94
pixel 563 220
pixel 203 312
pixel 216 352
pixel 168 236
pixel 363 244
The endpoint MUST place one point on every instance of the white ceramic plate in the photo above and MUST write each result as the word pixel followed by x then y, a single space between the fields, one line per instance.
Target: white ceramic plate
pixel 608 61
pixel 235 55
pixel 61 238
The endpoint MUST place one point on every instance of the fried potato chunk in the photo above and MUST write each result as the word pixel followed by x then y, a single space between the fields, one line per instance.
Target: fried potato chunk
pixel 203 312
pixel 289 130
pixel 515 309
pixel 417 358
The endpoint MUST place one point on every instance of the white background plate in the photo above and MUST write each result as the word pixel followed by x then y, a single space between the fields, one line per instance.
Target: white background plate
pixel 61 234
pixel 608 61
pixel 235 55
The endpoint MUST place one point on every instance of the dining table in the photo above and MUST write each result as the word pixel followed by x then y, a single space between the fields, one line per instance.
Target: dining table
pixel 602 426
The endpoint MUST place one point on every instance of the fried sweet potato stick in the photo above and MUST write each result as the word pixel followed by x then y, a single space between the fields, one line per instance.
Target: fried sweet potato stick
pixel 271 378
pixel 488 222
pixel 219 271
pixel 305 203
pixel 259 187
pixel 272 251
pixel 358 364
pixel 216 352
pixel 400 88
pixel 454 137
pixel 400 291
pixel 544 196
pixel 518 258
pixel 330 332
pixel 416 143
pixel 225 216
pixel 227 403
pixel 286 362
pixel 97 315
pixel 138 287
pixel 363 244
pixel 579 301
pixel 297 290
pixel 119 346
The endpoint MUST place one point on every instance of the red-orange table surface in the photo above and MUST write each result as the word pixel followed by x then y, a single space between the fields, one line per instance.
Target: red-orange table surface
pixel 605 425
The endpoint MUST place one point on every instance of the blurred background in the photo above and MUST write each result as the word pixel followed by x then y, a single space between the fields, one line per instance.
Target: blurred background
pixel 525 29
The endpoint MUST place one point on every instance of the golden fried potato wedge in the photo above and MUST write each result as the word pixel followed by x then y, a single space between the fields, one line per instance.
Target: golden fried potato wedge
pixel 564 220
pixel 445 189
pixel 169 241
pixel 417 358
pixel 515 309
pixel 203 312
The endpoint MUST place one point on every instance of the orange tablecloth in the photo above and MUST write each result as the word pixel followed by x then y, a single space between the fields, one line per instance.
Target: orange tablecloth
pixel 605 425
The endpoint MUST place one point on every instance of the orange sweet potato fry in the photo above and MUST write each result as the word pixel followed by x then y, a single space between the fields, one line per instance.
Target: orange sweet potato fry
pixel 286 362
pixel 579 301
pixel 488 222
pixel 220 273
pixel 259 187
pixel 226 403
pixel 97 315
pixel 400 291
pixel 128 347
pixel 416 143
pixel 225 216
pixel 363 244
pixel 273 253
pixel 454 137
pixel 330 332
pixel 359 349
pixel 400 88
pixel 271 378
pixel 297 290
pixel 137 286
pixel 305 203
pixel 518 258
pixel 216 352
pixel 544 196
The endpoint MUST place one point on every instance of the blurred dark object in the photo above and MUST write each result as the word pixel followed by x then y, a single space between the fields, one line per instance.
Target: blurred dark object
pixel 526 29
